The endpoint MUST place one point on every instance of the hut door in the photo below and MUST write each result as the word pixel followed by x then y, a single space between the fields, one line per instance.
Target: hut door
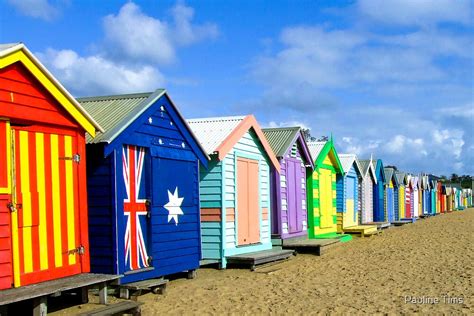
pixel 248 209
pixel 326 198
pixel 350 217
pixel 45 206
pixel 135 207
pixel 294 211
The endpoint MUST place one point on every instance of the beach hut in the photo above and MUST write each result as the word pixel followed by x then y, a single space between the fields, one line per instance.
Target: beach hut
pixel 43 197
pixel 235 189
pixel 434 195
pixel 379 192
pixel 415 197
pixel 391 186
pixel 349 188
pixel 449 198
pixel 143 184
pixel 442 197
pixel 400 196
pixel 426 194
pixel 409 196
pixel 322 197
pixel 439 197
pixel 367 191
pixel 288 188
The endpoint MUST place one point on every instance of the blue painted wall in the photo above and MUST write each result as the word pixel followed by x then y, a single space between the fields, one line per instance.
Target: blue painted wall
pixel 379 211
pixel 171 161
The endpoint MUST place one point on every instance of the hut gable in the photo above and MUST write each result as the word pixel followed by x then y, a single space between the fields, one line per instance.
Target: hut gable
pixel 220 134
pixel 324 153
pixel 37 95
pixel 135 116
pixel 288 142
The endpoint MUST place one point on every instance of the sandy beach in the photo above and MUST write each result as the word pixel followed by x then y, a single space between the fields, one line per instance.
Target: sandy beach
pixel 425 268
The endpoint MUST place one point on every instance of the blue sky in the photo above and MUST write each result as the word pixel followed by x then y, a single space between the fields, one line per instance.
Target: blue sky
pixel 391 78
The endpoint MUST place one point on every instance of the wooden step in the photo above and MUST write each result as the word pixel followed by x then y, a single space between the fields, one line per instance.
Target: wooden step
pixel 129 307
pixel 305 245
pixel 253 259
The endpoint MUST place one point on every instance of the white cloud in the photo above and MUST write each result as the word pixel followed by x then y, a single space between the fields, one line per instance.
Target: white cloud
pixel 95 75
pixel 135 45
pixel 132 34
pixel 416 12
pixel 40 9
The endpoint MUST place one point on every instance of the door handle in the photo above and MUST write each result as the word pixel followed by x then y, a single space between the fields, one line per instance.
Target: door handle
pixel 12 207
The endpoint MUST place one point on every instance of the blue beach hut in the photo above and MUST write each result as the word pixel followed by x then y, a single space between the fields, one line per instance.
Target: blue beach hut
pixel 143 187
pixel 379 209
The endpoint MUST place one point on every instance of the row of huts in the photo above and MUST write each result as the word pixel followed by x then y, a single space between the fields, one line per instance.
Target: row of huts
pixel 125 185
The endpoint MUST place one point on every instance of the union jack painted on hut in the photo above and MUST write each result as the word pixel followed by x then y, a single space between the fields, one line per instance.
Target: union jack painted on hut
pixel 143 182
pixel 43 203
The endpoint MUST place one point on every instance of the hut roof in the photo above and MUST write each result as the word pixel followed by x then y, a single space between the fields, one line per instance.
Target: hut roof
pixel 18 52
pixel 281 139
pixel 218 135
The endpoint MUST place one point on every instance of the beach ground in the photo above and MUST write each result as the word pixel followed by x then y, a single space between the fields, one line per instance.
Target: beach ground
pixel 425 267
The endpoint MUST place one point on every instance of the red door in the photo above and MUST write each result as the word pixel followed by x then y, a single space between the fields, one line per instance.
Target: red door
pixel 248 209
pixel 45 226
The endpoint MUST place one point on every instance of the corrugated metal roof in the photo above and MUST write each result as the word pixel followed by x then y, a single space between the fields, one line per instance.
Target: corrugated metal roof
pixel 400 177
pixel 280 139
pixel 315 149
pixel 388 173
pixel 364 165
pixel 346 161
pixel 115 112
pixel 212 131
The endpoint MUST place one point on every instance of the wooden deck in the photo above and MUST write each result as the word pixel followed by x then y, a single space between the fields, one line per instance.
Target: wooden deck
pixel 132 290
pixel 380 225
pixel 401 222
pixel 362 230
pixel 54 287
pixel 39 292
pixel 305 245
pixel 253 259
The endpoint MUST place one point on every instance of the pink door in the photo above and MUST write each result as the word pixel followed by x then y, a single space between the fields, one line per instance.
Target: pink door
pixel 247 202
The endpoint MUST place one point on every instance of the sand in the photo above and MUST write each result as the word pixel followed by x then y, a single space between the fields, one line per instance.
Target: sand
pixel 425 268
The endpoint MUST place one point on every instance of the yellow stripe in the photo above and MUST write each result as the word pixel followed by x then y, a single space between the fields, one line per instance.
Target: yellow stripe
pixel 58 260
pixel 14 218
pixel 40 182
pixel 26 202
pixel 71 242
pixel 50 86
pixel 7 190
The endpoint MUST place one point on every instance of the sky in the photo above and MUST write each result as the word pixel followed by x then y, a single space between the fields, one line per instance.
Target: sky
pixel 393 78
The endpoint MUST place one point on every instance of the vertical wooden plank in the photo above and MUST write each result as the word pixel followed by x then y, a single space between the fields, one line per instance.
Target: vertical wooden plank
pixel 242 202
pixel 253 200
pixel 41 189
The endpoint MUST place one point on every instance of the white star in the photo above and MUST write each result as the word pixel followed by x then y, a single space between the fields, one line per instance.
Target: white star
pixel 174 206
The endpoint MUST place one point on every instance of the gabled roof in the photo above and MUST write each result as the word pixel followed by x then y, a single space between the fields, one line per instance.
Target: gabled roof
pixel 367 168
pixel 347 160
pixel 117 112
pixel 17 52
pixel 401 177
pixel 281 140
pixel 390 174
pixel 218 135
pixel 378 164
pixel 319 151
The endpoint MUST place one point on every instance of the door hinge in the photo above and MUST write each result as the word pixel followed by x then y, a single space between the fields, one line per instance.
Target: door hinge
pixel 75 158
pixel 79 250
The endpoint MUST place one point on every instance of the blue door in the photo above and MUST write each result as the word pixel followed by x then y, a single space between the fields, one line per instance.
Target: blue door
pixel 136 188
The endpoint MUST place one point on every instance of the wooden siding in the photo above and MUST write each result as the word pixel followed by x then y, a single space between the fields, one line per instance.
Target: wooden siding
pixel 102 216
pixel 342 199
pixel 367 200
pixel 33 103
